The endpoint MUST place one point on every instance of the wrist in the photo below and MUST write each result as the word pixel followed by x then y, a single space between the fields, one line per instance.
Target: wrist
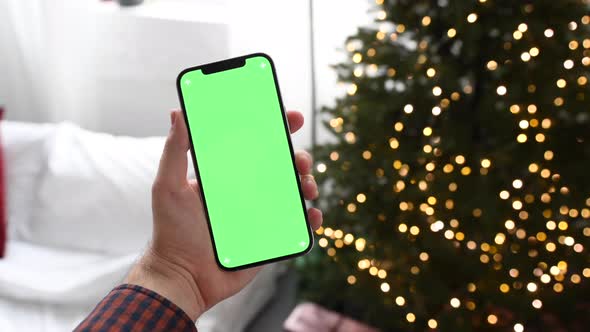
pixel 170 280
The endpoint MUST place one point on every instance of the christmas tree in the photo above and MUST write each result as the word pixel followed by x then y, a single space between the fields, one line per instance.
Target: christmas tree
pixel 456 188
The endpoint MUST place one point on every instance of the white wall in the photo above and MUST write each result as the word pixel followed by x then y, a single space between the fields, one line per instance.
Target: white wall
pixel 333 24
pixel 18 91
pixel 281 29
pixel 105 68
pixel 92 63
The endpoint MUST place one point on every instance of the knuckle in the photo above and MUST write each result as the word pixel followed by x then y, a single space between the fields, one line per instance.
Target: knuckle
pixel 163 191
pixel 309 177
pixel 158 188
pixel 169 142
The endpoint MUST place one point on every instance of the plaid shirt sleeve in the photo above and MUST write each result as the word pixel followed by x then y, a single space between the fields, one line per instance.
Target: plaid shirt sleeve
pixel 134 308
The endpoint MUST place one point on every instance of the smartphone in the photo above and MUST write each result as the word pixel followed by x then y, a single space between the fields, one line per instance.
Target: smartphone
pixel 244 161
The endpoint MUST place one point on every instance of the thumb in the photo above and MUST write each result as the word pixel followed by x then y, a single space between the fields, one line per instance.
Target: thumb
pixel 173 163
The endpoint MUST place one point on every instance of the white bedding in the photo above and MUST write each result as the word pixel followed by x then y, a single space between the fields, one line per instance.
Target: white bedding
pixel 43 289
pixel 35 273
pixel 52 277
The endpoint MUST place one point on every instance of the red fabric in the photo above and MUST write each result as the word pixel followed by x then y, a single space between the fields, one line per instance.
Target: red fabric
pixel 134 308
pixel 2 198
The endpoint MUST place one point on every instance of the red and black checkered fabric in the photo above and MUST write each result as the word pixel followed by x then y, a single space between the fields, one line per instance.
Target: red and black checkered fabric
pixel 134 308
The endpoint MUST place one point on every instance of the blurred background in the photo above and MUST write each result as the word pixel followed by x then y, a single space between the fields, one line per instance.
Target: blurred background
pixel 450 143
pixel 60 56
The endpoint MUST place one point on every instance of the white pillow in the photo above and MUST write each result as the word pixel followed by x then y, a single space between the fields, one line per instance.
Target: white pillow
pixel 96 191
pixel 24 157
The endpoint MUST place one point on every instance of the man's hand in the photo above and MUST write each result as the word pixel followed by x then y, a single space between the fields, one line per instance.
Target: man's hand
pixel 179 263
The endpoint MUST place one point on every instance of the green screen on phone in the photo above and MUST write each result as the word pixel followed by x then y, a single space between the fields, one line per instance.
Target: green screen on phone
pixel 244 161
